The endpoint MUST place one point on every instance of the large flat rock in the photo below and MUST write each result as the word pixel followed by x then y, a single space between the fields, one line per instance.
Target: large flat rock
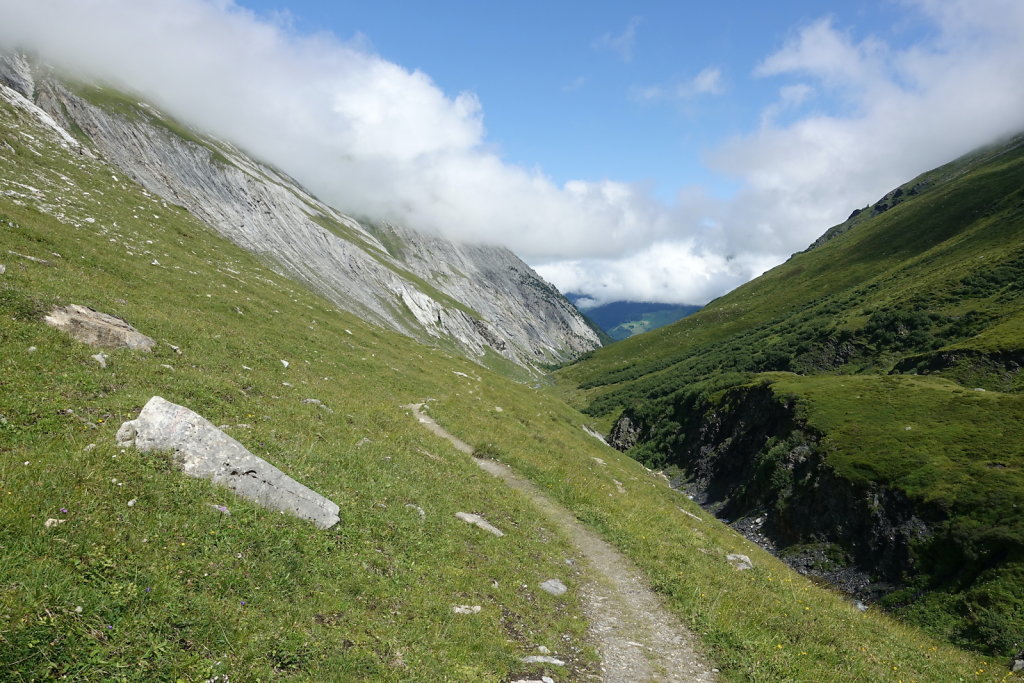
pixel 97 329
pixel 205 452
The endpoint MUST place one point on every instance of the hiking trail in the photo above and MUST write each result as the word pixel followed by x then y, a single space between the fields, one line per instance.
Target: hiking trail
pixel 635 636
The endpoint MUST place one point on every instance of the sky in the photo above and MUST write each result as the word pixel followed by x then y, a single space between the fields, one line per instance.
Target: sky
pixel 648 151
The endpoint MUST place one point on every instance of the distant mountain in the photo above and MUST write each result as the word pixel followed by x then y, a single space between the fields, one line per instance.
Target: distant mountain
pixel 858 409
pixel 623 319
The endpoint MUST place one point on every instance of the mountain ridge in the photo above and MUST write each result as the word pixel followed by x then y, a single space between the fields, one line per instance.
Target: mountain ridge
pixel 477 300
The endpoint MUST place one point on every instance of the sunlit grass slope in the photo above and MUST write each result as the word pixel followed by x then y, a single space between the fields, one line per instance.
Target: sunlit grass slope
pixel 936 269
pixel 147 579
pixel 928 282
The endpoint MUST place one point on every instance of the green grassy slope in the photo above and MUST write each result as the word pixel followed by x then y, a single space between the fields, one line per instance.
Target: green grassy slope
pixel 930 281
pixel 171 588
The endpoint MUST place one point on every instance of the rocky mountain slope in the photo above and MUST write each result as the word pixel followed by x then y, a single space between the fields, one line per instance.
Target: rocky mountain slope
pixel 480 301
pixel 860 408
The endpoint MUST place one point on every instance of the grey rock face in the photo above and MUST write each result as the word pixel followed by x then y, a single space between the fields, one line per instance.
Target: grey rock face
pixel 624 434
pixel 16 73
pixel 97 329
pixel 205 452
pixel 484 299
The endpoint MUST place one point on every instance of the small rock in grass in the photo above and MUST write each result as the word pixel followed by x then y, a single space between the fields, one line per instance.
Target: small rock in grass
pixel 1018 665
pixel 542 659
pixel 100 358
pixel 740 562
pixel 543 650
pixel 466 609
pixel 689 514
pixel 32 349
pixel 132 502
pixel 53 522
pixel 479 521
pixel 317 402
pixel 553 586
pixel 3 269
pixel 861 607
pixel 285 363
pixel 89 447
pixel 419 511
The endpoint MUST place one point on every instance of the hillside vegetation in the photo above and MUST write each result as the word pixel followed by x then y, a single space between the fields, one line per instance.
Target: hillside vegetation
pixel 143 576
pixel 864 398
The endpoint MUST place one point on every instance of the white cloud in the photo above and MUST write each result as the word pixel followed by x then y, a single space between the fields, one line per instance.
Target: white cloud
pixel 676 271
pixel 708 82
pixel 901 111
pixel 621 44
pixel 576 84
pixel 853 118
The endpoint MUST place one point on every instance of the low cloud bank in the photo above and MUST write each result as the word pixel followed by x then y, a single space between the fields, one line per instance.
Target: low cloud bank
pixel 852 120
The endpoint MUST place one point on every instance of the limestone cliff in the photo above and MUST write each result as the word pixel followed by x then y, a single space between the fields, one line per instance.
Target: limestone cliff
pixel 478 300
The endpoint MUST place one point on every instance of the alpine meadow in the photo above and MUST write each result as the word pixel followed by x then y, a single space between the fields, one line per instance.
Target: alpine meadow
pixel 815 477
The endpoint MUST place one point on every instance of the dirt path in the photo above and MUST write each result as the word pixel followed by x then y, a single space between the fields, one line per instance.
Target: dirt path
pixel 638 640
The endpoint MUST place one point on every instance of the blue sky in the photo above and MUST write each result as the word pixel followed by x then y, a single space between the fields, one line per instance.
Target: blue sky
pixel 650 151
pixel 562 83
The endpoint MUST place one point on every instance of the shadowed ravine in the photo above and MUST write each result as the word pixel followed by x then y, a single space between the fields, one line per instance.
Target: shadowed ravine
pixel 637 639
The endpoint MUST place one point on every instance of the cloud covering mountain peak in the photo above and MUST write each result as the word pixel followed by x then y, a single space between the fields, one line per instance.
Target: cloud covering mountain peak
pixel 852 119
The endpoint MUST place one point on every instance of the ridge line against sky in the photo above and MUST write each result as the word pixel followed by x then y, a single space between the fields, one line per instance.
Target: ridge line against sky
pixel 661 152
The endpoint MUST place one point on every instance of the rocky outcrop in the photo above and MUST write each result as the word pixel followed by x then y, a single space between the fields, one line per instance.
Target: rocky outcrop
pixel 97 329
pixel 484 299
pixel 625 433
pixel 750 461
pixel 202 451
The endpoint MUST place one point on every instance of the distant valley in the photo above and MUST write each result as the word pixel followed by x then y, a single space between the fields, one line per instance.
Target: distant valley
pixel 624 319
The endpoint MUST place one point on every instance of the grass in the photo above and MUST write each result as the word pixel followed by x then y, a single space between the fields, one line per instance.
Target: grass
pixel 171 588
pixel 929 286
